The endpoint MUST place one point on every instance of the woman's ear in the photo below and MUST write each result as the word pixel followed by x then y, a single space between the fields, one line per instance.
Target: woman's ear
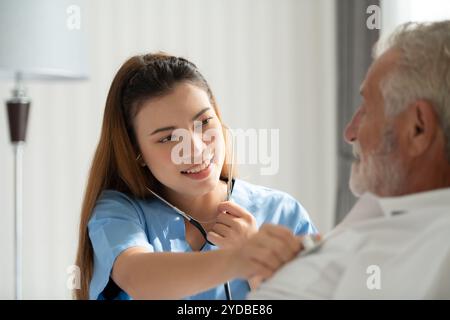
pixel 423 124
pixel 140 160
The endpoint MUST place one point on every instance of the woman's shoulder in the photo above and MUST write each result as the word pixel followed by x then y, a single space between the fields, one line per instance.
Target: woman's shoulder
pixel 270 205
pixel 116 204
pixel 257 193
pixel 257 198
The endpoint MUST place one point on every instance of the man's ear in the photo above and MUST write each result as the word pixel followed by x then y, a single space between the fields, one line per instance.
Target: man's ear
pixel 423 125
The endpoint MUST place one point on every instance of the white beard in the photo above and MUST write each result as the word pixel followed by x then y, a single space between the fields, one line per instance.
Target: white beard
pixel 382 173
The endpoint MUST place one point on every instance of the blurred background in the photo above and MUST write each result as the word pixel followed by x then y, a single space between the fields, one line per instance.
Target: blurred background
pixel 291 65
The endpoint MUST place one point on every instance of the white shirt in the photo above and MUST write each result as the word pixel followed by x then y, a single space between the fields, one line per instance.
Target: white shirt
pixel 386 248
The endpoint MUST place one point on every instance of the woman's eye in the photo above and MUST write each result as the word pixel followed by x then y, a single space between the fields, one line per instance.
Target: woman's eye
pixel 169 138
pixel 206 121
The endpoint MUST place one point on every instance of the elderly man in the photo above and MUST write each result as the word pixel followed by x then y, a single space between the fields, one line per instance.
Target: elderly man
pixel 395 242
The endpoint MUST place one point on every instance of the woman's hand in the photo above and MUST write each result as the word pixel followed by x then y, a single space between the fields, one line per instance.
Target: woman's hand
pixel 233 227
pixel 265 252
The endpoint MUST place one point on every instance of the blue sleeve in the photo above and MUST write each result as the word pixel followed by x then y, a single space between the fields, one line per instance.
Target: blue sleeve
pixel 117 223
pixel 304 225
pixel 287 211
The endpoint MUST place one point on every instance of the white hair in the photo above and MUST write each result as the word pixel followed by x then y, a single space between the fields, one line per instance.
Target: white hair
pixel 422 71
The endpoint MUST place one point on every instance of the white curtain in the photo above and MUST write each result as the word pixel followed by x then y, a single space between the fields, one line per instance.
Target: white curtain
pixel 271 65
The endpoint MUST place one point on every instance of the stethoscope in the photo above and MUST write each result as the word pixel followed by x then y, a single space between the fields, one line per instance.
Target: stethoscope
pixel 196 223
pixel 199 227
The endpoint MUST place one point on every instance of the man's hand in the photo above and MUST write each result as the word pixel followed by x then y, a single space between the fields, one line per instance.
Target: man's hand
pixel 304 241
pixel 233 227
pixel 265 252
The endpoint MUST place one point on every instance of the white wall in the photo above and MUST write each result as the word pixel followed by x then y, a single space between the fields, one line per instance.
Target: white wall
pixel 270 64
pixel 397 12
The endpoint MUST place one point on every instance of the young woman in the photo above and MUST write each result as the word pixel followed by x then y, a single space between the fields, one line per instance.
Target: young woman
pixel 132 243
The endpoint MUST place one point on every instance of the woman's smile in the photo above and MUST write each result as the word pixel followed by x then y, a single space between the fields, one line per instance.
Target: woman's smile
pixel 201 171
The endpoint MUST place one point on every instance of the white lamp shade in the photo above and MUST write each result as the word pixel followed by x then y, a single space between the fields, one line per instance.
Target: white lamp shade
pixel 45 39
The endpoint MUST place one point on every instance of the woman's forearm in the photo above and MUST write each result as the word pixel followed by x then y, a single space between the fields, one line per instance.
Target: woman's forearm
pixel 167 275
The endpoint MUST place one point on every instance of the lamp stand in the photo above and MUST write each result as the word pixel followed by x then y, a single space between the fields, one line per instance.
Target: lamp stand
pixel 18 109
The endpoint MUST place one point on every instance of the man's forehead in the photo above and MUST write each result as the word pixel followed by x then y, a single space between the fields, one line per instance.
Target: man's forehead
pixel 379 68
pixel 384 63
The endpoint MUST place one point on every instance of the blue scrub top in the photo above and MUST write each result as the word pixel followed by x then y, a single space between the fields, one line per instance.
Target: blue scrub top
pixel 119 222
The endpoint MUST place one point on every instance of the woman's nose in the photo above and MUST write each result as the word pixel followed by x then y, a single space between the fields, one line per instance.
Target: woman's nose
pixel 198 146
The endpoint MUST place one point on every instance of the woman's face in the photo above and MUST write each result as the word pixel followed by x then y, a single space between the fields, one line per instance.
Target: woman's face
pixel 181 140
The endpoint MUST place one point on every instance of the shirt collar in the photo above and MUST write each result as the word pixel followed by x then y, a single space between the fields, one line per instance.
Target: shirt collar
pixel 371 206
pixel 392 206
pixel 367 207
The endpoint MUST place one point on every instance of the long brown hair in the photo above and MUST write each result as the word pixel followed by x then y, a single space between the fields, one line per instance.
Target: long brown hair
pixel 114 165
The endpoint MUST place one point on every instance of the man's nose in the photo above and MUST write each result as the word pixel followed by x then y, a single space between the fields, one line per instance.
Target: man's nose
pixel 351 129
